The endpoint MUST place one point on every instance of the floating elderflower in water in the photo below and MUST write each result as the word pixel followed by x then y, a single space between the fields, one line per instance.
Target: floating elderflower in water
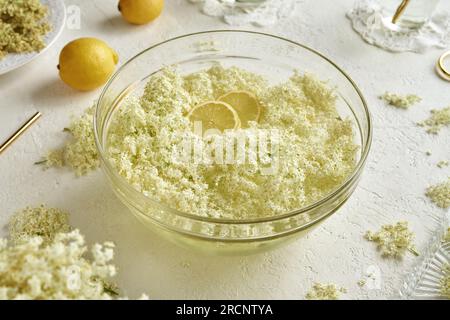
pixel 153 142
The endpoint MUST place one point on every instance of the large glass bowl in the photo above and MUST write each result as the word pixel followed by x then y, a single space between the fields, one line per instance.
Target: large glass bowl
pixel 276 59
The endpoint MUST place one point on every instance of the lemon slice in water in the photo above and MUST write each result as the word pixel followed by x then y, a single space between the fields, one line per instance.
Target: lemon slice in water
pixel 215 115
pixel 245 104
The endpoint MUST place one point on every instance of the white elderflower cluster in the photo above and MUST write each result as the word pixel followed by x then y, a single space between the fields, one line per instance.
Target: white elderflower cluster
pixel 400 101
pixel 43 260
pixel 325 292
pixel 23 26
pixel 317 150
pixel 41 221
pixel 59 270
pixel 438 120
pixel 440 194
pixel 442 164
pixel 393 240
pixel 80 153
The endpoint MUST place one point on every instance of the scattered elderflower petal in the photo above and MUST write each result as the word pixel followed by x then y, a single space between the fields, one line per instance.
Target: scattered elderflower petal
pixel 80 153
pixel 438 120
pixel 41 221
pixel 442 164
pixel 393 240
pixel 440 194
pixel 324 292
pixel 447 236
pixel 399 101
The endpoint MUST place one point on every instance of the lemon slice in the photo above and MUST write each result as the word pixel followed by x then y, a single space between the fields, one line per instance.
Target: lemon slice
pixel 215 115
pixel 245 104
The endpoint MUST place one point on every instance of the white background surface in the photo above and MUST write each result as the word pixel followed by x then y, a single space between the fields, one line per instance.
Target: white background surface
pixel 392 187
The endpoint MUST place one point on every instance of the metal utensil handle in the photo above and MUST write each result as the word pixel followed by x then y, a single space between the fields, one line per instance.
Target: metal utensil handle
pixel 19 132
pixel 400 10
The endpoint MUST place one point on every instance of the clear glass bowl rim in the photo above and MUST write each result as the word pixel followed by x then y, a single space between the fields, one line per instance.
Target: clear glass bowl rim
pixel 356 172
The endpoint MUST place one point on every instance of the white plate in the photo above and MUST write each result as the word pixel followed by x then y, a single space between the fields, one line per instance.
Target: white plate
pixel 57 19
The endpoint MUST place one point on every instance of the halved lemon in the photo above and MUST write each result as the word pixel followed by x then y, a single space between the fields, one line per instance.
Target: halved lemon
pixel 215 115
pixel 245 104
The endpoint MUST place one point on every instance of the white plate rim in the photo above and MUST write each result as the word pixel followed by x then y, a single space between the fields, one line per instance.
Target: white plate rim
pixel 54 6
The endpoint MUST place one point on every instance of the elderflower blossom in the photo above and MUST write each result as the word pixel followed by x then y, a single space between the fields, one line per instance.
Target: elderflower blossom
pixel 41 221
pixel 80 153
pixel 393 240
pixel 440 194
pixel 438 120
pixel 442 164
pixel 399 101
pixel 317 151
pixel 324 292
pixel 23 25
pixel 32 270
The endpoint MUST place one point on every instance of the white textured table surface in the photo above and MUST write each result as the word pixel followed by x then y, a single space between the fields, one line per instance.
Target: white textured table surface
pixel 392 187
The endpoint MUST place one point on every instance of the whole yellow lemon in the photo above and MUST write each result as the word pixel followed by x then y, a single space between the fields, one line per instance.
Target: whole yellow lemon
pixel 87 63
pixel 141 11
